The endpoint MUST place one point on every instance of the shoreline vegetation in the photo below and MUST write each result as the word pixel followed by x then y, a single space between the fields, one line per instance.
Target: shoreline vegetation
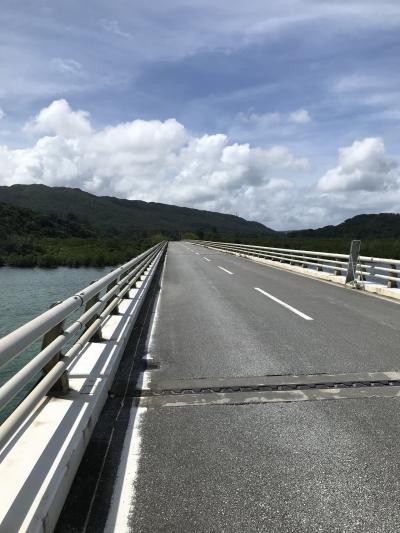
pixel 73 252
pixel 100 251
pixel 30 239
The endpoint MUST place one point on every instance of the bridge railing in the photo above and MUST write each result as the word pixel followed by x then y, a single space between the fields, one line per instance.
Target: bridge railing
pixel 97 302
pixel 371 268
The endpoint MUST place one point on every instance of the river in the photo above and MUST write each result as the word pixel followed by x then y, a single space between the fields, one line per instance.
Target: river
pixel 27 292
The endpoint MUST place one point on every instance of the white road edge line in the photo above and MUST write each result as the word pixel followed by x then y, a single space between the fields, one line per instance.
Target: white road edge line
pixel 206 258
pixel 293 309
pixel 224 269
pixel 124 492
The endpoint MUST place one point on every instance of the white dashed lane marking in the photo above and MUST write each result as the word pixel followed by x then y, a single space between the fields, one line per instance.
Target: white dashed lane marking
pixel 227 271
pixel 284 304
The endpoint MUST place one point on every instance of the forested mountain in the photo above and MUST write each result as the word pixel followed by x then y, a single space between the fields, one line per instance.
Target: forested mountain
pixel 51 226
pixel 125 216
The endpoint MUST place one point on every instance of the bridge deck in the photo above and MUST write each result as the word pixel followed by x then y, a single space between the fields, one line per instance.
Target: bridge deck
pixel 264 461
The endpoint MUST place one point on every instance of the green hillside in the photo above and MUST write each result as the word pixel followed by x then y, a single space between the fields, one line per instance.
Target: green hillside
pixel 125 216
pixel 382 225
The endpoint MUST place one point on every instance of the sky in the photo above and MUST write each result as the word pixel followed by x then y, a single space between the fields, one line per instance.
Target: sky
pixel 285 112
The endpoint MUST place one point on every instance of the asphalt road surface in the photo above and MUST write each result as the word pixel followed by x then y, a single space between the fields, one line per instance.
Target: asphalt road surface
pixel 166 463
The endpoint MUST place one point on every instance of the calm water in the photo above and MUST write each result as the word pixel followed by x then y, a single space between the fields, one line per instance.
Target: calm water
pixel 25 293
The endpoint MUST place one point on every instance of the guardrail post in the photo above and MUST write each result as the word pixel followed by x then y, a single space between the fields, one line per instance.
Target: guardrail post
pixel 126 295
pixel 90 303
pixel 371 270
pixel 62 385
pixel 391 283
pixel 109 287
pixel 362 275
pixel 319 267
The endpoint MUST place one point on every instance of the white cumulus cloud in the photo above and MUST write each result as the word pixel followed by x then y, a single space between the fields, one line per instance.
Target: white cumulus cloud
pixel 152 160
pixel 162 161
pixel 59 119
pixel 363 166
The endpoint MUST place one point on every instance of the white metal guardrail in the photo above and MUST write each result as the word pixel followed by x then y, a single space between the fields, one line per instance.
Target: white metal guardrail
pixel 371 268
pixel 97 302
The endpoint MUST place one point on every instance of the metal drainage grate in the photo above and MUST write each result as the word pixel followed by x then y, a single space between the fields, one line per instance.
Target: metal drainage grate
pixel 273 388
